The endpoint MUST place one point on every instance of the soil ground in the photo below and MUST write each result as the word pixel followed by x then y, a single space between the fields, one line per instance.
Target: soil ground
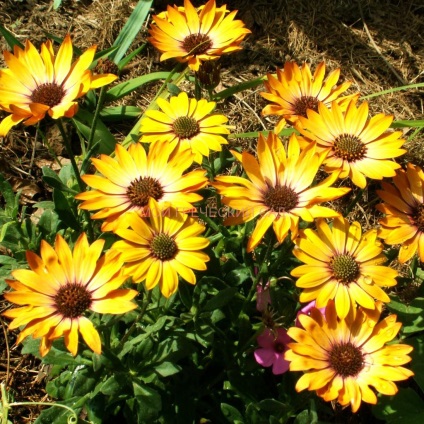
pixel 378 44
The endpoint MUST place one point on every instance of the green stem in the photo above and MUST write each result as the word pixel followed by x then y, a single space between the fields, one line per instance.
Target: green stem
pixel 100 101
pixel 68 148
pixel 259 274
pixel 210 94
pixel 197 89
pixel 80 182
pixel 354 202
pixel 6 406
pixel 49 148
pixel 137 320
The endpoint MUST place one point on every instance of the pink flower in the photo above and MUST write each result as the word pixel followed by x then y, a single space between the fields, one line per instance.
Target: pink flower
pixel 263 297
pixel 271 350
pixel 307 310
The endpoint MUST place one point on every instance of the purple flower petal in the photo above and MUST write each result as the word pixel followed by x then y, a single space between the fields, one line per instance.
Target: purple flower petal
pixel 264 357
pixel 266 339
pixel 280 365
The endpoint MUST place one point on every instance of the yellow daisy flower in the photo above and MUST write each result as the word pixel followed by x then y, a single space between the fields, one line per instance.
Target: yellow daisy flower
pixel 188 121
pixel 193 36
pixel 278 189
pixel 159 250
pixel 342 357
pixel 294 90
pixel 133 177
pixel 357 146
pixel 38 83
pixel 342 264
pixel 404 212
pixel 61 287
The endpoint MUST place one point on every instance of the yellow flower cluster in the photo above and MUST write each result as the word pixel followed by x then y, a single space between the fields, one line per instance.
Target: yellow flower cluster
pixel 340 345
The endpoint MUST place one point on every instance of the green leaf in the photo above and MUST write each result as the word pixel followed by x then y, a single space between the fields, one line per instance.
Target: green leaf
pixel 48 223
pixel 230 413
pixel 64 211
pixel 9 226
pixel 81 382
pixel 83 121
pixel 157 326
pixel 404 407
pixel 411 315
pixel 220 299
pixel 56 414
pixel 131 29
pixel 417 355
pixel 392 90
pixel 103 53
pixel 273 406
pixel 166 369
pixel 53 180
pixel 185 295
pixel 115 385
pixel 125 88
pixel 148 400
pixel 255 134
pixel 7 260
pixel 127 59
pixel 413 123
pixel 10 39
pixel 11 199
pixel 120 113
pixel 237 88
pixel 413 308
pixel 173 89
pixel 56 4
pixel 306 417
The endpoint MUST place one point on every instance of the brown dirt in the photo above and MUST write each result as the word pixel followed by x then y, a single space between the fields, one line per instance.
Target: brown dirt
pixel 378 44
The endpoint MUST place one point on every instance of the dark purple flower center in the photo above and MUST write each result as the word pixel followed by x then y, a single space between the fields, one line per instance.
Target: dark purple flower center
pixel 346 359
pixel 49 94
pixel 142 189
pixel 280 198
pixel 349 147
pixel 72 300
pixel 304 103
pixel 196 44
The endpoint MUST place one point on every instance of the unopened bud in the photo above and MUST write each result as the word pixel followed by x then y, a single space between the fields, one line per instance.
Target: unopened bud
pixel 209 74
pixel 106 66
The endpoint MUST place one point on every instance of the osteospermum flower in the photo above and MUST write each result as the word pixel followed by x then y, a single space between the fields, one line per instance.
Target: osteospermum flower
pixel 403 207
pixel 61 287
pixel 38 83
pixel 130 180
pixel 159 250
pixel 193 36
pixel 278 189
pixel 342 264
pixel 294 90
pixel 342 357
pixel 357 146
pixel 272 345
pixel 307 310
pixel 187 121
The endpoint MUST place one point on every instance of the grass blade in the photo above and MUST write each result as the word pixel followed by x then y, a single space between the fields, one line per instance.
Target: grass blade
pixel 131 29
pixel 10 38
pixel 121 90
